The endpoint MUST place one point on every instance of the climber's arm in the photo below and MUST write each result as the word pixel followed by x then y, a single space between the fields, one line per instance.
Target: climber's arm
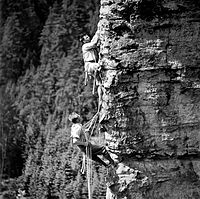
pixel 92 44
pixel 76 141
pixel 95 38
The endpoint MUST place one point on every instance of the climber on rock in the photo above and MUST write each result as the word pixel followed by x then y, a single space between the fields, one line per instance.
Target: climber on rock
pixel 90 54
pixel 79 138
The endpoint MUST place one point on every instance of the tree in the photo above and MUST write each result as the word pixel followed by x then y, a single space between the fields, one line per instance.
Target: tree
pixel 11 137
pixel 48 71
pixel 19 46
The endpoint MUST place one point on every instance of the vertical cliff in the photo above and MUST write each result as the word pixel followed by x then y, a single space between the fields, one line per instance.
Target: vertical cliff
pixel 151 97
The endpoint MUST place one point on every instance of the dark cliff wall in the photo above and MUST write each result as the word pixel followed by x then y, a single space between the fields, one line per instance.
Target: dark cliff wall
pixel 151 97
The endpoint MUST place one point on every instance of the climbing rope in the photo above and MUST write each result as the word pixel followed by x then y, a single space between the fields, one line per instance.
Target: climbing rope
pixel 89 125
pixel 89 170
pixel 86 77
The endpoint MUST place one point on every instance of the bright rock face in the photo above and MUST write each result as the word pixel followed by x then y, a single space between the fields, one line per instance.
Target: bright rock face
pixel 150 54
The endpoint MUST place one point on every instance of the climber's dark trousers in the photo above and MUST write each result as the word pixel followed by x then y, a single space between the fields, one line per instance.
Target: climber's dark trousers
pixel 97 159
pixel 98 150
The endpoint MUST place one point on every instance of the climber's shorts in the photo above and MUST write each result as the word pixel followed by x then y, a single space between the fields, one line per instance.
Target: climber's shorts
pixel 91 67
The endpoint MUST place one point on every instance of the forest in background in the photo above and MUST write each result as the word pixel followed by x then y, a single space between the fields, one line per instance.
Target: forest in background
pixel 41 82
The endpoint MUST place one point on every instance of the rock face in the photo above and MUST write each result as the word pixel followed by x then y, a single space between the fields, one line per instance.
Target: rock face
pixel 150 54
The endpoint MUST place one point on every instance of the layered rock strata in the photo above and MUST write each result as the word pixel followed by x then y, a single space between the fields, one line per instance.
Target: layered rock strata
pixel 150 56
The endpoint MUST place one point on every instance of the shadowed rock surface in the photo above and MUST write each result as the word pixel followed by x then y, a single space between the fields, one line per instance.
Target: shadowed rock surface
pixel 151 97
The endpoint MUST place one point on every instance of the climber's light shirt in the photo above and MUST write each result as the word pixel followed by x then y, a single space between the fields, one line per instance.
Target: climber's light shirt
pixel 88 49
pixel 77 132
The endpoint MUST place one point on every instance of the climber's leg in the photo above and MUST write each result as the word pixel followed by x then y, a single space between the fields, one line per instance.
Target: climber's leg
pixel 100 94
pixel 97 159
pixel 92 67
pixel 101 150
pixel 94 157
pixel 108 157
pixel 94 81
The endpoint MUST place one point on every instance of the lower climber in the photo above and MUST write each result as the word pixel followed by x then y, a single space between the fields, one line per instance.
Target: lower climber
pixel 79 138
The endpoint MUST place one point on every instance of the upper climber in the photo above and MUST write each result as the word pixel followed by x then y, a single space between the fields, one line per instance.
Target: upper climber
pixel 90 54
pixel 79 138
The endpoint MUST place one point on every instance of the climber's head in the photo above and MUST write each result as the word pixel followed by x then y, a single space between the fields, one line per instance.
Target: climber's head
pixel 74 117
pixel 85 38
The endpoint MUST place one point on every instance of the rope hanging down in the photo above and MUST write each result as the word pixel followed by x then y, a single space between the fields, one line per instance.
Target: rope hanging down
pixel 89 171
pixel 87 127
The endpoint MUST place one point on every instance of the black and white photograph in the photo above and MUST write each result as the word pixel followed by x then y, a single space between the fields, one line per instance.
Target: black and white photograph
pixel 99 99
